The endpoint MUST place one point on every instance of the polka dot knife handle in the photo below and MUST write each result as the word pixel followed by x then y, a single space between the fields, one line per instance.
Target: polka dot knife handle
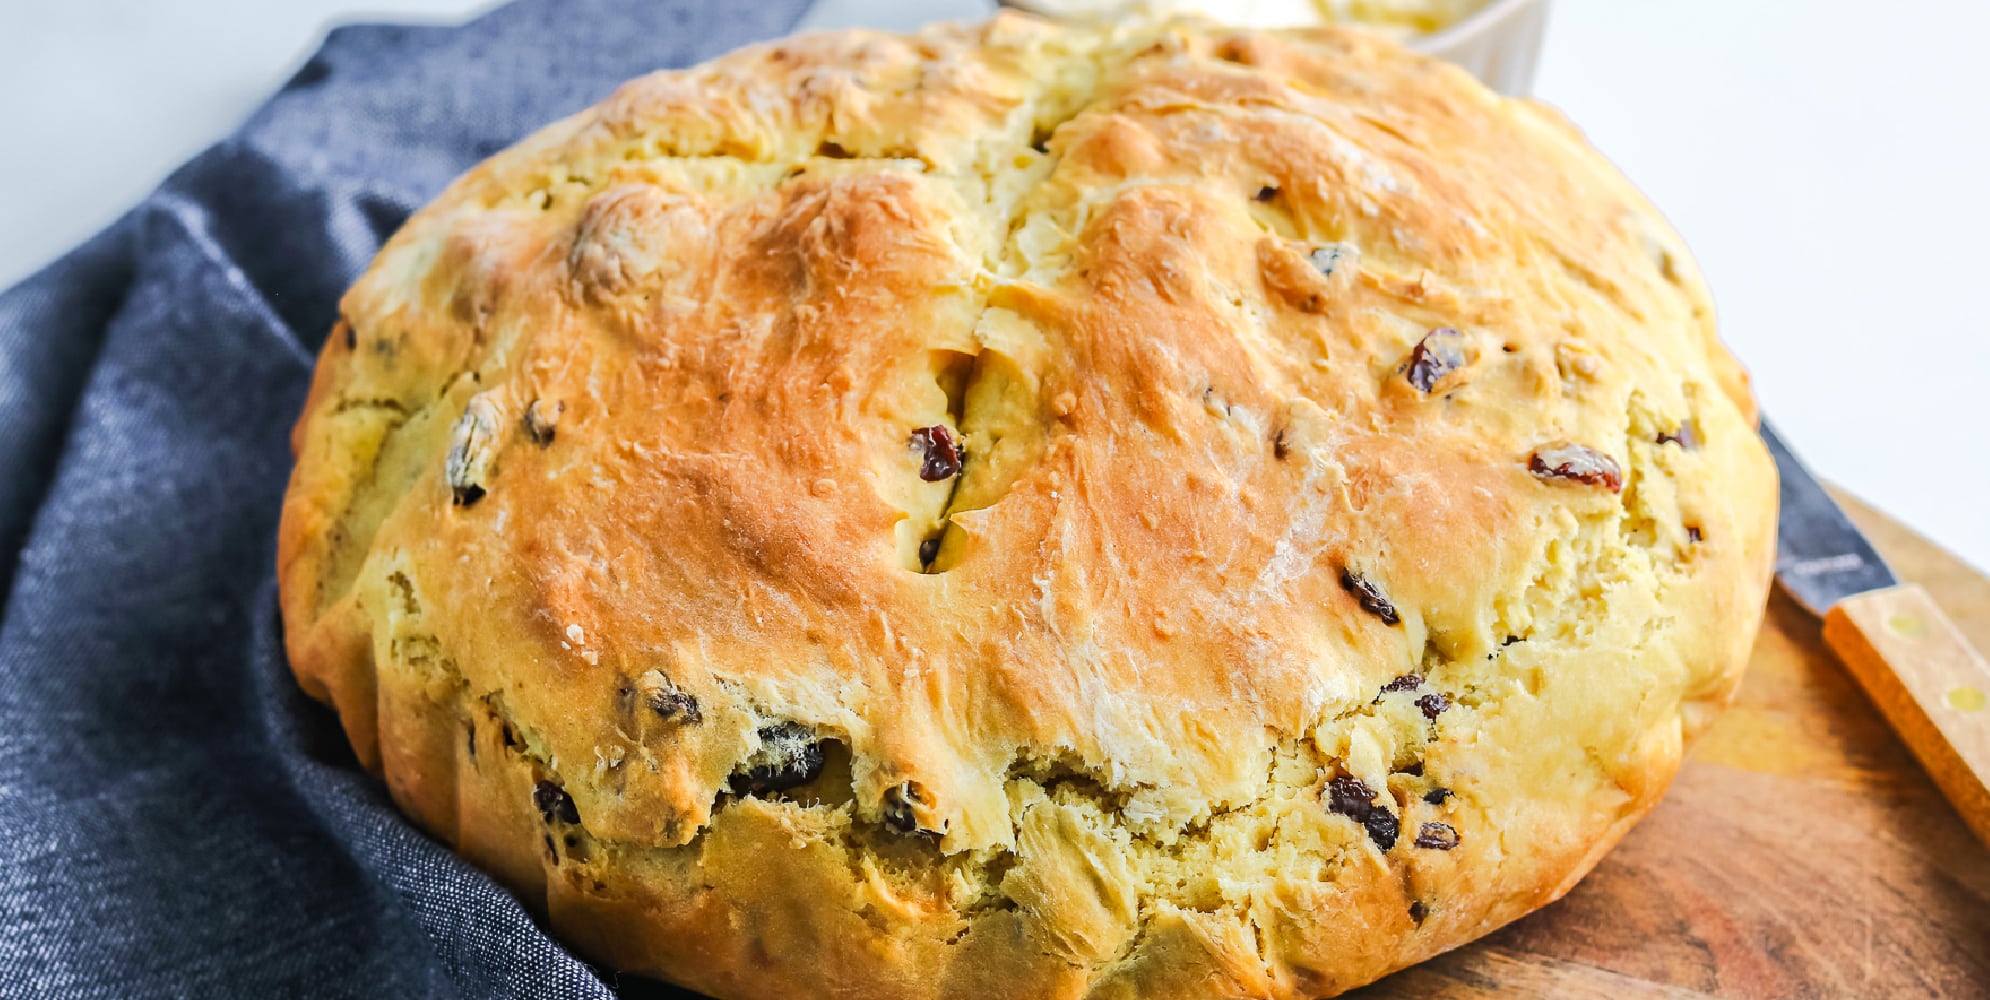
pixel 1933 688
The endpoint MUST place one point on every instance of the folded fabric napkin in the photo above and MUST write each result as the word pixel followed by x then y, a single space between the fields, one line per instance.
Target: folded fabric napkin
pixel 176 817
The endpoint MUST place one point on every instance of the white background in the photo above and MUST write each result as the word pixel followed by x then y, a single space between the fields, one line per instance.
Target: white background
pixel 1828 160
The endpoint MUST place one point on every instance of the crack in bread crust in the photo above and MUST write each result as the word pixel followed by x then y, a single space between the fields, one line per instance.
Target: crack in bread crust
pixel 1153 691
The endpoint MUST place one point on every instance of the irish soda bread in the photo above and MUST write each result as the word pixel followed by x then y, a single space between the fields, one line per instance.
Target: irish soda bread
pixel 1026 511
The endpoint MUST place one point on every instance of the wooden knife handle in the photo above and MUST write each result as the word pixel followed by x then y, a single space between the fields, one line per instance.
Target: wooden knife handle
pixel 1931 686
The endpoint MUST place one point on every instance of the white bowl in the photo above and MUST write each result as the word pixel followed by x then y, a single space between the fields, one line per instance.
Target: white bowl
pixel 1498 43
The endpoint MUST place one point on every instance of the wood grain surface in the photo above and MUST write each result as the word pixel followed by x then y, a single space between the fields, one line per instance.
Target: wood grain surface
pixel 1928 682
pixel 1802 852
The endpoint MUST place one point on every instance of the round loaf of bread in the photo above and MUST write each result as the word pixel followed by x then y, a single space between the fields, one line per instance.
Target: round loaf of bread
pixel 1030 511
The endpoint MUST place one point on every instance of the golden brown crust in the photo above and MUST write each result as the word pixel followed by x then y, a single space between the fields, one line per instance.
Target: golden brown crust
pixel 607 508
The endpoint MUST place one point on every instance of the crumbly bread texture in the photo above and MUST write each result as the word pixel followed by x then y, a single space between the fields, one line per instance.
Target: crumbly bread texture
pixel 1029 511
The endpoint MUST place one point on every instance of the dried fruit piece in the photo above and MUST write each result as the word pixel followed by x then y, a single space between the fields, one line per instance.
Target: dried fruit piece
pixel 1439 353
pixel 1576 463
pixel 1267 193
pixel 1436 836
pixel 1350 796
pixel 554 803
pixel 472 451
pixel 1434 704
pixel 1325 259
pixel 542 418
pixel 940 453
pixel 1693 534
pixel 929 550
pixel 1414 770
pixel 669 701
pixel 1686 436
pixel 1418 911
pixel 789 755
pixel 1407 682
pixel 900 813
pixel 678 705
pixel 1383 828
pixel 1436 796
pixel 1370 596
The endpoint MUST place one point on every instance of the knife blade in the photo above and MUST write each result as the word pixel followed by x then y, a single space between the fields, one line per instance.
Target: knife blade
pixel 1821 556
pixel 1892 637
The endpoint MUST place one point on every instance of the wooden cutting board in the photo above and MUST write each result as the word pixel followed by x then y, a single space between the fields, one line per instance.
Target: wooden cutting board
pixel 1800 853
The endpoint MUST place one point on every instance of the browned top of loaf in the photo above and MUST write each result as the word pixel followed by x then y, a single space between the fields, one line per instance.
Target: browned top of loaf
pixel 1168 287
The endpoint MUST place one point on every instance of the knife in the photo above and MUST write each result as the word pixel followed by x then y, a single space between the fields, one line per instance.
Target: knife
pixel 1931 686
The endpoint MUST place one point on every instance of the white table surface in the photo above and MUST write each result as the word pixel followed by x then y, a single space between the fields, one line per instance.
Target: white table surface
pixel 1830 166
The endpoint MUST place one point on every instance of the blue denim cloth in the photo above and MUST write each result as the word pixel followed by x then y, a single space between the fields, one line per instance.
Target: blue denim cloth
pixel 176 817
